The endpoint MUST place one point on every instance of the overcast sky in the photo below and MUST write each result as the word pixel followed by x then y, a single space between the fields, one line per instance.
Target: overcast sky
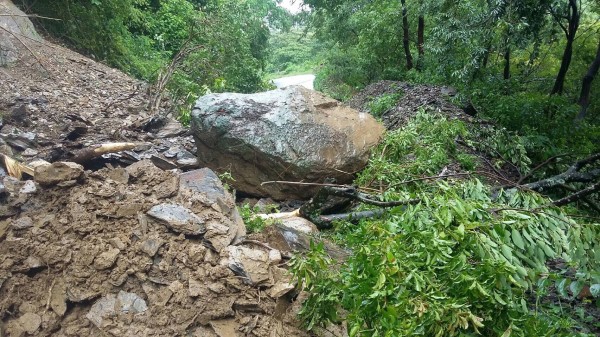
pixel 291 5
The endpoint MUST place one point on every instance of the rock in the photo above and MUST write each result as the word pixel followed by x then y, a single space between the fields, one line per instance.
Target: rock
pixel 299 224
pixel 58 298
pixel 280 289
pixel 106 259
pixel 102 309
pixel 171 129
pixel 22 223
pixel 49 175
pixel 178 218
pixel 151 245
pixel 251 264
pixel 186 159
pixel 292 134
pixel 161 163
pixel 195 288
pixel 3 192
pixel 14 21
pixel 30 322
pixel 130 303
pixel 29 153
pixel 225 327
pixel 204 181
pixel 111 305
pixel 274 256
pixel 28 187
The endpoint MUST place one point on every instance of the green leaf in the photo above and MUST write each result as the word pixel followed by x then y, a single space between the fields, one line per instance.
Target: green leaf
pixel 380 281
pixel 576 288
pixel 517 238
pixel 595 290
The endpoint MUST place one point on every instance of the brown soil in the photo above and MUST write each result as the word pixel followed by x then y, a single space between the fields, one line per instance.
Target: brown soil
pixel 85 259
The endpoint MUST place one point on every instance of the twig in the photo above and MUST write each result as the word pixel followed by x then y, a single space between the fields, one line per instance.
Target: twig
pixel 50 294
pixel 587 200
pixel 544 163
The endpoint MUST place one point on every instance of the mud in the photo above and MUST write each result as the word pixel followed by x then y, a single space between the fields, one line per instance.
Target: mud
pixel 89 260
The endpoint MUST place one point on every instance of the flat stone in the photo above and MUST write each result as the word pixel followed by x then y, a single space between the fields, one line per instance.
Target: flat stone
pixel 195 288
pixel 107 259
pixel 131 303
pixel 30 322
pixel 22 223
pixel 251 264
pixel 101 310
pixel 28 187
pixel 280 289
pixel 48 175
pixel 178 218
pixel 151 245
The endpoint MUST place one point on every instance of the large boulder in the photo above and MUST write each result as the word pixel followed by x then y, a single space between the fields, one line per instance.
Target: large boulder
pixel 291 134
pixel 15 26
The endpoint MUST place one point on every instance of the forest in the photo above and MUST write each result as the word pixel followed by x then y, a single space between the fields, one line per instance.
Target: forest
pixel 507 244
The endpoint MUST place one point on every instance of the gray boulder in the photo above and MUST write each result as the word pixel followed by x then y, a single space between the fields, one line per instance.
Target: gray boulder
pixel 14 23
pixel 291 134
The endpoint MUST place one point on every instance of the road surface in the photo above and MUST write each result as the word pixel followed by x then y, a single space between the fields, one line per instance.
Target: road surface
pixel 303 80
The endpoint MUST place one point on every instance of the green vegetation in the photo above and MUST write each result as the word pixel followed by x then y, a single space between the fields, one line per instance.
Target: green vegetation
pixel 462 262
pixel 213 45
pixel 469 259
pixel 292 52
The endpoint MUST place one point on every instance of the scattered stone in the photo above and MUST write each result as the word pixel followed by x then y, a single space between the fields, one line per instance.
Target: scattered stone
pixel 151 245
pixel 30 322
pixel 22 223
pixel 195 288
pixel 186 159
pixel 58 298
pixel 298 224
pixel 28 187
pixel 101 310
pixel 274 256
pixel 225 328
pixel 49 175
pixel 163 164
pixel 178 218
pixel 251 264
pixel 292 134
pixel 172 129
pixel 29 153
pixel 107 259
pixel 280 289
pixel 131 303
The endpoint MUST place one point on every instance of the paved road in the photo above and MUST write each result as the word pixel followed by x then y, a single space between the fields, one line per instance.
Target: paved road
pixel 303 80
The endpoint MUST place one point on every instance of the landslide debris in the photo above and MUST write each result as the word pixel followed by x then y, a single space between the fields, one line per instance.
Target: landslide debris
pixel 107 257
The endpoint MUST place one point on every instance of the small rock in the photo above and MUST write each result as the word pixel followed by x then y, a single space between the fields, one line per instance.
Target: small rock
pixel 30 322
pixel 32 262
pixel 194 288
pixel 274 256
pixel 178 218
pixel 28 187
pixel 102 309
pixel 280 289
pixel 58 298
pixel 22 223
pixel 172 129
pixel 106 259
pixel 251 264
pixel 186 159
pixel 29 153
pixel 150 246
pixel 48 175
pixel 163 164
pixel 131 303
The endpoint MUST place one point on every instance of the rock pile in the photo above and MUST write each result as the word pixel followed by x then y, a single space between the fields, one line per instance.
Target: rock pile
pixel 136 251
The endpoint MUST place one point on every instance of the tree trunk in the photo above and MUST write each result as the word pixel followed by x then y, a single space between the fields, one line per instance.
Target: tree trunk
pixel 570 32
pixel 405 36
pixel 507 63
pixel 421 42
pixel 586 86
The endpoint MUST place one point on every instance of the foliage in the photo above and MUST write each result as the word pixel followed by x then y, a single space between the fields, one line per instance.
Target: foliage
pixel 254 224
pixel 292 52
pixel 383 103
pixel 141 36
pixel 459 263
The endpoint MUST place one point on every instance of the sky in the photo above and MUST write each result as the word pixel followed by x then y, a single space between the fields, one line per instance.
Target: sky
pixel 291 5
